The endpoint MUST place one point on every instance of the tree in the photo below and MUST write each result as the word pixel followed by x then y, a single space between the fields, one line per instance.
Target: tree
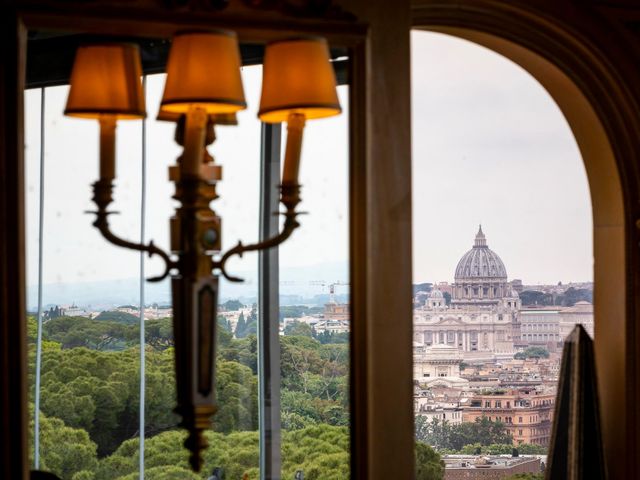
pixel 241 326
pixel 299 328
pixel 159 333
pixel 534 297
pixel 237 398
pixel 532 449
pixel 64 451
pixel 321 452
pixel 574 295
pixel 120 317
pixel 297 311
pixel 429 465
pixel 447 298
pixel 231 305
pixel 326 337
pixel 442 434
pixel 532 352
pixel 74 332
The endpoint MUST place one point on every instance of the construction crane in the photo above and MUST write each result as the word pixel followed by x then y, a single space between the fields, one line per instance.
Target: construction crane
pixel 321 283
pixel 332 290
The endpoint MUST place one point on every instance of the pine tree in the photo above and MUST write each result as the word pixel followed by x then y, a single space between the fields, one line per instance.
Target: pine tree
pixel 241 326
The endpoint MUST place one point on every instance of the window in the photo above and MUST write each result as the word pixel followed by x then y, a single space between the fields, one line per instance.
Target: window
pixel 94 300
pixel 481 143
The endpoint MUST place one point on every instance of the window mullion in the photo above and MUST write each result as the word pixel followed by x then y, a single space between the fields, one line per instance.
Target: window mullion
pixel 268 308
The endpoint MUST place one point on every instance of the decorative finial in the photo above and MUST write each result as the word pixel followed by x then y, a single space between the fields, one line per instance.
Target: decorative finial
pixel 480 238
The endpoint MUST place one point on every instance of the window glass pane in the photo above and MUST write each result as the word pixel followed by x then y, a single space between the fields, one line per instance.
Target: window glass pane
pixel 234 440
pixel 89 377
pixel 492 303
pixel 314 308
pixel 90 392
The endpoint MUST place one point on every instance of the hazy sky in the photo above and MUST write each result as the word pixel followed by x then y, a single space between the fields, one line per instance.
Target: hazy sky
pixel 75 252
pixel 489 146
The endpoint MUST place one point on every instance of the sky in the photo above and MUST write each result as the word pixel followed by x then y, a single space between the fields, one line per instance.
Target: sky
pixel 74 254
pixel 489 146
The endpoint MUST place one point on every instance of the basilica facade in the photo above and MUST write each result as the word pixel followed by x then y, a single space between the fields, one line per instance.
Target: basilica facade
pixel 482 318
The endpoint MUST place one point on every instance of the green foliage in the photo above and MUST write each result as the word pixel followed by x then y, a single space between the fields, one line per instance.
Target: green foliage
pixel 243 351
pixel 120 317
pixel 331 337
pixel 429 465
pixel 72 332
pixel 447 298
pixel 90 383
pixel 532 449
pixel 569 298
pixel 321 452
pixel 534 297
pixel 532 352
pixel 442 434
pixel 237 397
pixel 297 311
pixel 64 451
pixel 575 295
pixel 502 449
pixel 158 333
pixel 231 305
pixel 298 328
pixel 98 392
pixel 526 476
pixel 248 326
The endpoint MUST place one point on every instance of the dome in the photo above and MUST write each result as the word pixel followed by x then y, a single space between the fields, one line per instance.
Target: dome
pixel 435 293
pixel 513 293
pixel 480 262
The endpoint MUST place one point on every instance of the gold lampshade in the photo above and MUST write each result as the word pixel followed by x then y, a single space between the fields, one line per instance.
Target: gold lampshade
pixel 203 71
pixel 298 78
pixel 105 80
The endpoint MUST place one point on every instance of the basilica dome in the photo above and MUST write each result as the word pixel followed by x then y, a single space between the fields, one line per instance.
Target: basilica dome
pixel 480 262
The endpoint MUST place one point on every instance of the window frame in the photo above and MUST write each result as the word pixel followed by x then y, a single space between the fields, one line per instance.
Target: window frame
pixel 378 41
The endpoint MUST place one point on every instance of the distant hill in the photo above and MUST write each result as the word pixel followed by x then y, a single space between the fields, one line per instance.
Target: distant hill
pixel 422 287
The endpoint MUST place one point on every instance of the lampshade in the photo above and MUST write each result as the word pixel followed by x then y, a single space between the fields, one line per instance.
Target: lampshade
pixel 298 78
pixel 203 71
pixel 105 80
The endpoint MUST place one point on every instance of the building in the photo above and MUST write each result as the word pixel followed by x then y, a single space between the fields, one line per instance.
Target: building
pixel 331 326
pixel 549 326
pixel 470 467
pixel 527 414
pixel 540 326
pixel 438 365
pixel 581 313
pixel 482 320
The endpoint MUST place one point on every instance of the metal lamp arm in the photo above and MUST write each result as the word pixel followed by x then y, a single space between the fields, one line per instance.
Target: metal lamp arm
pixel 289 197
pixel 102 197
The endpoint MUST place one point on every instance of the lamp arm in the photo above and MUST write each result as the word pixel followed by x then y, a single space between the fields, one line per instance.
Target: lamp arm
pixel 102 197
pixel 289 197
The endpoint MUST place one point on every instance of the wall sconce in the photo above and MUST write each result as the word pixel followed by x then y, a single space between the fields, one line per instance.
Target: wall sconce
pixel 203 88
